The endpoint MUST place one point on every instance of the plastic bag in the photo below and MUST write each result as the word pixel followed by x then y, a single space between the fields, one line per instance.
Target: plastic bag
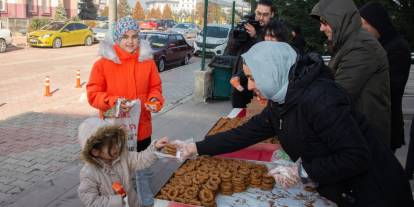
pixel 129 120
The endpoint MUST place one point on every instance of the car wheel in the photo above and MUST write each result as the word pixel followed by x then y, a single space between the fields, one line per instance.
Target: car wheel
pixel 161 65
pixel 3 45
pixel 186 59
pixel 88 41
pixel 57 43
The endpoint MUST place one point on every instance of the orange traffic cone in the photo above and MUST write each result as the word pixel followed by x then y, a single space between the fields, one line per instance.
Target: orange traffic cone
pixel 47 87
pixel 78 82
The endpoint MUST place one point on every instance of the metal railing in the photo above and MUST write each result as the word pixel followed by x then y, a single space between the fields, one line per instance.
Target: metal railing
pixel 327 58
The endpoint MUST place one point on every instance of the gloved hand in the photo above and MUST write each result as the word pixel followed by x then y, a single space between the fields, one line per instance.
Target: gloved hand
pixel 186 150
pixel 286 176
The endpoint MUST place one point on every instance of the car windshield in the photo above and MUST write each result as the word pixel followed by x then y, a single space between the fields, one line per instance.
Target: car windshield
pixel 55 26
pixel 156 40
pixel 182 26
pixel 217 32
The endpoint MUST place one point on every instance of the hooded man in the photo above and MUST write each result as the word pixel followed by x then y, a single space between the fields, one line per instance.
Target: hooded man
pixel 359 62
pixel 375 19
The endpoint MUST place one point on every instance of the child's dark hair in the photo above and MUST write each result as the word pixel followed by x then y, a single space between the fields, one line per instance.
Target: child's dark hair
pixel 268 3
pixel 277 29
pixel 105 136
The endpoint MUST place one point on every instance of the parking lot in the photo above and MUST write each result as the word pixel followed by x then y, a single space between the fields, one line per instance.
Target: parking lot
pixel 23 71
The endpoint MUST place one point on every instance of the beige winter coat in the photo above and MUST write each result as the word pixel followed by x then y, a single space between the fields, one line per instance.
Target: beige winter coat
pixel 95 189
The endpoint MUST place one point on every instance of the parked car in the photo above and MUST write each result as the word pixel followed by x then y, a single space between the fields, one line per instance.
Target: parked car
pixel 5 38
pixel 58 34
pixel 148 25
pixel 164 24
pixel 99 32
pixel 169 48
pixel 216 40
pixel 189 30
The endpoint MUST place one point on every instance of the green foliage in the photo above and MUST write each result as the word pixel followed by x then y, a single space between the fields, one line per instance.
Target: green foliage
pixel 60 14
pixel 296 13
pixel 87 9
pixel 36 24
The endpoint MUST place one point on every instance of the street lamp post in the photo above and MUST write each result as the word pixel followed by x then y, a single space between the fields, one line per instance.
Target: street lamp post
pixel 203 59
pixel 112 14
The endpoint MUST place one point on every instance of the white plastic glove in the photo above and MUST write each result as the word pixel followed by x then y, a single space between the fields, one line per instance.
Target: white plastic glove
pixel 185 149
pixel 285 176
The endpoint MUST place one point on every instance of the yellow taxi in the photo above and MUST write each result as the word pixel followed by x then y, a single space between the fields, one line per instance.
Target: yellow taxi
pixel 58 34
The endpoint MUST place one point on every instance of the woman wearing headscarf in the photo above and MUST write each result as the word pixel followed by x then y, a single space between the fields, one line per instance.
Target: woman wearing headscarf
pixel 318 128
pixel 126 70
pixel 375 19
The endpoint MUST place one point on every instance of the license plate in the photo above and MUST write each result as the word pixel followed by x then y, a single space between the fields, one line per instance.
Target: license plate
pixel 33 41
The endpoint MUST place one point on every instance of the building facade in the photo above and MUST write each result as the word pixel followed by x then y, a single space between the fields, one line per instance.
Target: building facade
pixel 177 6
pixel 22 9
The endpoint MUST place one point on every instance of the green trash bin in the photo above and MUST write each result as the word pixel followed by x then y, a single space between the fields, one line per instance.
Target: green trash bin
pixel 222 72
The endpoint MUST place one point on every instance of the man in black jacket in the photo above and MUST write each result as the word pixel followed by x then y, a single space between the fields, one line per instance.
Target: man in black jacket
pixel 263 14
pixel 376 20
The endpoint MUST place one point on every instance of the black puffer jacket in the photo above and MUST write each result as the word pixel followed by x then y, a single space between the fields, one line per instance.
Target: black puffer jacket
pixel 318 124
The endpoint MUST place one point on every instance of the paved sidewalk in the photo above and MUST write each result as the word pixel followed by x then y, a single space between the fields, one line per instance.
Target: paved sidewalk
pixel 39 163
pixel 36 146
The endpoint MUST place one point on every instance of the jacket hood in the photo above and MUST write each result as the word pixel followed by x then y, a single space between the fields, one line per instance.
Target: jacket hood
pixel 376 15
pixel 342 16
pixel 307 68
pixel 107 50
pixel 89 134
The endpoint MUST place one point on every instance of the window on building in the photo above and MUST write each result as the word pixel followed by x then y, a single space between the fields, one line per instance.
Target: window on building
pixel 3 5
pixel 32 5
pixel 46 6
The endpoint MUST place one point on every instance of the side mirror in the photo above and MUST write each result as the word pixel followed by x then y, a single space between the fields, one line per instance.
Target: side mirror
pixel 65 30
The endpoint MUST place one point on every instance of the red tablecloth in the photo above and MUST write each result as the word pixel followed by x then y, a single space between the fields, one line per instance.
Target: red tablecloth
pixel 259 152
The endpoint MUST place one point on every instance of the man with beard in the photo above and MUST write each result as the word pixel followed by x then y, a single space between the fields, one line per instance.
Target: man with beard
pixel 263 14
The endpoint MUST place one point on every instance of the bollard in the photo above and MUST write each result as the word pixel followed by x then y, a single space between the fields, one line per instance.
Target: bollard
pixel 78 82
pixel 47 87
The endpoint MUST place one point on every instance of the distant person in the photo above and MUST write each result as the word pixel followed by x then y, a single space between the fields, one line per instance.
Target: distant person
pixel 107 160
pixel 236 46
pixel 125 70
pixel 375 19
pixel 298 42
pixel 275 31
pixel 359 62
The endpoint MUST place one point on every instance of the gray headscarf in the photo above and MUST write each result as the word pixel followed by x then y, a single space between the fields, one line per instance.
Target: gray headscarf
pixel 270 63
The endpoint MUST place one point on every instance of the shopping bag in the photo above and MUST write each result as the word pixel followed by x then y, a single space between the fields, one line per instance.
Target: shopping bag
pixel 128 120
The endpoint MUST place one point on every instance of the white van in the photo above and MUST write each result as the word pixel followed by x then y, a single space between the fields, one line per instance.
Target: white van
pixel 216 40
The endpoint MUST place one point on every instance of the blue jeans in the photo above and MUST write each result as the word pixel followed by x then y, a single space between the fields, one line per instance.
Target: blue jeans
pixel 144 189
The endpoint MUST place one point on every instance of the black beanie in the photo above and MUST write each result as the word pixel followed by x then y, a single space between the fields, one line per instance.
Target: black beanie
pixel 376 15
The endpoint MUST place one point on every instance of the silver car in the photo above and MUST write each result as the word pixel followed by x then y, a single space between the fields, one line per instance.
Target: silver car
pixel 100 31
pixel 188 30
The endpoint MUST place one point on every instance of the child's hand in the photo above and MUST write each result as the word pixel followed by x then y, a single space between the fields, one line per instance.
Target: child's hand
pixel 161 143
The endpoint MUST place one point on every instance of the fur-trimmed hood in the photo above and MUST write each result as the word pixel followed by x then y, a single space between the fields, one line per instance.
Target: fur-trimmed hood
pixel 107 51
